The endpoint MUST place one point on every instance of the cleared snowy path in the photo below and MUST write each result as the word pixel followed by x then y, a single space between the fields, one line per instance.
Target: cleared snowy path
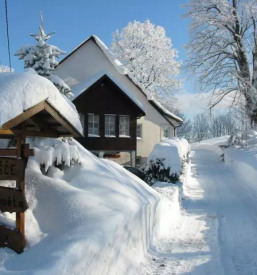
pixel 217 234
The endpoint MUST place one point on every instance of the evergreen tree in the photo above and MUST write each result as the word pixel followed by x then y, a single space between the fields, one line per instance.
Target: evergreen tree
pixel 42 57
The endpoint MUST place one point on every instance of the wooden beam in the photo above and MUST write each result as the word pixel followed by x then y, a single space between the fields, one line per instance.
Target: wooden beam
pixel 32 133
pixel 61 120
pixel 8 152
pixel 43 126
pixel 24 116
pixel 20 184
pixel 6 132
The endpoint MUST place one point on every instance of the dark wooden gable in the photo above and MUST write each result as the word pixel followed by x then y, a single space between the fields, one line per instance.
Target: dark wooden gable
pixel 106 97
pixel 102 98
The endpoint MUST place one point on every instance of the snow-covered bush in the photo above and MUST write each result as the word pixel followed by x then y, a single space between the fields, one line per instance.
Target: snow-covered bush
pixel 5 69
pixel 157 171
pixel 55 152
pixel 167 160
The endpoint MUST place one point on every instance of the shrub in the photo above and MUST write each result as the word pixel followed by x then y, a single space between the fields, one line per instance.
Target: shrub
pixel 157 171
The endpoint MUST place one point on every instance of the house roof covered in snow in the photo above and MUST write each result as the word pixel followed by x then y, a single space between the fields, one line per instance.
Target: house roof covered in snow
pixel 84 85
pixel 122 70
pixel 34 99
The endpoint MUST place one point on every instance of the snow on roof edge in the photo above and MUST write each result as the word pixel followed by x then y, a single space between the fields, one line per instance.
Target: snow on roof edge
pixel 122 70
pixel 167 112
pixel 83 86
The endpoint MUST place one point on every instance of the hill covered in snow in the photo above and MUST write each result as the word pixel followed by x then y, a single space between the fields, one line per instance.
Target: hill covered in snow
pixel 91 218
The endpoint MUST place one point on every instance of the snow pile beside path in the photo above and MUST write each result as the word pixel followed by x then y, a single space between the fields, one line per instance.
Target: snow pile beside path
pixel 244 140
pixel 174 151
pixel 241 156
pixel 21 91
pixel 168 210
pixel 92 218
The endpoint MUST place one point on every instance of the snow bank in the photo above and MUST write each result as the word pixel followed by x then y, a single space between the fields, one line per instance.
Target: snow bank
pixel 174 151
pixel 168 210
pixel 21 91
pixel 241 156
pixel 90 218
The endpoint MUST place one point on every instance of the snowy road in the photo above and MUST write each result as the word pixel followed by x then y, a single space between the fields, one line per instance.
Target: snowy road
pixel 217 233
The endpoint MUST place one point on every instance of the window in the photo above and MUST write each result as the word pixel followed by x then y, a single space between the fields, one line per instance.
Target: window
pixel 139 131
pixel 93 125
pixel 165 132
pixel 124 126
pixel 82 121
pixel 110 127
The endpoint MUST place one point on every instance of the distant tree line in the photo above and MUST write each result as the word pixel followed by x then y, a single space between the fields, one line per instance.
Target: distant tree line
pixel 206 125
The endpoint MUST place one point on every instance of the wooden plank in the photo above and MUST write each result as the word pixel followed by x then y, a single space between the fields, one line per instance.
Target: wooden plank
pixel 43 126
pixel 6 132
pixel 29 133
pixel 12 200
pixel 62 121
pixel 26 152
pixel 20 217
pixel 8 152
pixel 24 116
pixel 11 239
pixel 12 169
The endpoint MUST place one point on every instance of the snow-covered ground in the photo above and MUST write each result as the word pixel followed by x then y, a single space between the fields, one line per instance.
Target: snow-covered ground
pixel 92 218
pixel 216 232
pixel 97 218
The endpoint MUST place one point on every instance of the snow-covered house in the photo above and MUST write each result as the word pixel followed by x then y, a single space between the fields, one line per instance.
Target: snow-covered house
pixel 82 69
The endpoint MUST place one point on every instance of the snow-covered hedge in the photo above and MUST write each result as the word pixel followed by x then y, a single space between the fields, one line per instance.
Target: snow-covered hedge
pixel 166 161
pixel 55 152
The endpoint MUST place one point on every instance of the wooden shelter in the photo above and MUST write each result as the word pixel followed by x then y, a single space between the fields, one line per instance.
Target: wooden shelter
pixel 41 120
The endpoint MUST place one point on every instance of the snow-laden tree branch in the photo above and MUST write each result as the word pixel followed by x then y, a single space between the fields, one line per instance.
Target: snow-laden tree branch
pixel 149 57
pixel 42 57
pixel 222 52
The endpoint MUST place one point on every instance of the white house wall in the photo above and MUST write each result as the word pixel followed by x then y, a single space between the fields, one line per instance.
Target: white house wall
pixel 88 61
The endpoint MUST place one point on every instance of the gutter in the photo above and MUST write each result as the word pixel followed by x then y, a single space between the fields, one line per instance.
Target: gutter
pixel 175 127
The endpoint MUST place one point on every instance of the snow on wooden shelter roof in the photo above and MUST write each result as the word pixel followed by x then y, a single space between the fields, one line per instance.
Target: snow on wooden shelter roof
pixel 122 70
pixel 32 104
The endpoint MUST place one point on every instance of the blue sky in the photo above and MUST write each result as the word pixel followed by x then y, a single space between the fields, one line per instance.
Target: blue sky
pixel 75 20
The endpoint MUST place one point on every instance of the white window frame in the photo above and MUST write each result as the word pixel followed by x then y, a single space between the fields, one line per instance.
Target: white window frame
pixel 141 131
pixel 162 128
pixel 94 122
pixel 122 135
pixel 107 131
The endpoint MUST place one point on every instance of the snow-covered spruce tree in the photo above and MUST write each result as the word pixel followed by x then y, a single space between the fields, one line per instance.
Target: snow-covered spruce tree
pixel 149 56
pixel 222 52
pixel 42 57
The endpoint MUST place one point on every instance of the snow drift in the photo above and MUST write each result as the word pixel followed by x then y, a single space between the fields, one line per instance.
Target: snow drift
pixel 92 218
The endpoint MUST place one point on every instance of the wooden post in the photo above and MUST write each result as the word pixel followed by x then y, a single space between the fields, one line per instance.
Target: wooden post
pixel 20 217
